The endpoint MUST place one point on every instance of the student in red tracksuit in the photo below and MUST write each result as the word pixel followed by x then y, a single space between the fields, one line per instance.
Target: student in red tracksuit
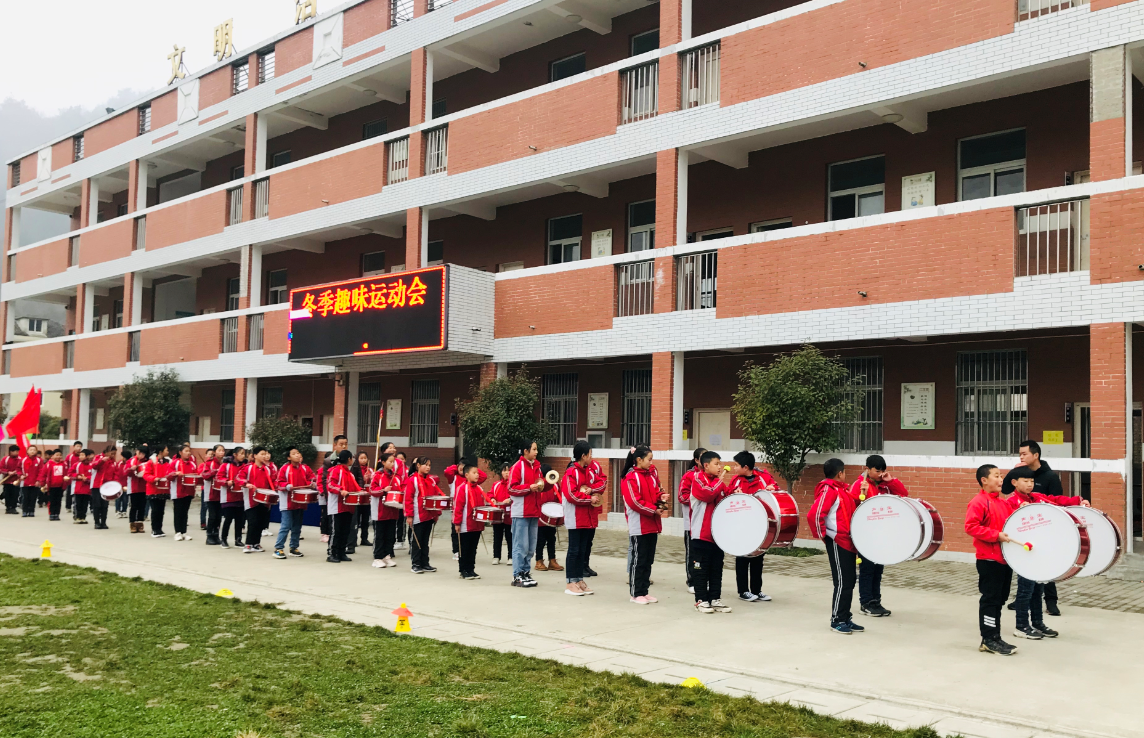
pixel 294 475
pixel 643 501
pixel 707 490
pixel 829 520
pixel 875 481
pixel 985 521
pixel 259 474
pixel 157 474
pixel 684 499
pixel 52 477
pixel 10 473
pixel 400 474
pixel 545 533
pixel 418 486
pixel 454 475
pixel 580 489
pixel 524 485
pixel 230 496
pixel 468 497
pixel 103 468
pixel 183 490
pixel 384 517
pixel 211 500
pixel 340 481
pixel 498 496
pixel 136 488
pixel 29 476
pixel 72 457
pixel 79 477
pixel 748 480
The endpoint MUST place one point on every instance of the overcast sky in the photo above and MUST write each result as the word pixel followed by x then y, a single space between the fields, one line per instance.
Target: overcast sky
pixel 64 53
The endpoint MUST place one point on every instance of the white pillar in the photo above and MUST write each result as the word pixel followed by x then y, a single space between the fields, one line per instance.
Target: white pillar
pixel 677 441
pixel 251 408
pixel 685 21
pixel 352 412
pixel 681 197
pixel 141 185
pixel 93 202
pixel 15 241
pixel 84 432
pixel 255 275
pixel 88 308
pixel 502 370
pixel 260 144
pixel 137 300
pixel 424 238
pixel 10 328
pixel 1128 455
pixel 428 85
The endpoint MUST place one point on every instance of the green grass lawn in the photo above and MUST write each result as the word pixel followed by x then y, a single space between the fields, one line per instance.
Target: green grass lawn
pixel 91 654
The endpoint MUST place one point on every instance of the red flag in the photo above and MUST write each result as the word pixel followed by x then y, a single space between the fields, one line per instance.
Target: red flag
pixel 25 421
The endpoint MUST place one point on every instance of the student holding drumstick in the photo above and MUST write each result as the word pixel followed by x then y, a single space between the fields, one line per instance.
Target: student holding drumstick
pixel 384 517
pixel 467 498
pixel 985 521
pixel 685 508
pixel 876 481
pixel 829 519
pixel 706 560
pixel 749 569
pixel 498 496
pixel 643 498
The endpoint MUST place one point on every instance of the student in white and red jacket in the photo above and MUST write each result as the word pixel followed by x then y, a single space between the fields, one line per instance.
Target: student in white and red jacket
pixel 52 476
pixel 10 473
pixel 69 460
pixel 183 490
pixel 985 519
pixel 749 570
pixel 29 476
pixel 454 475
pixel 545 533
pixel 829 520
pixel 79 479
pixel 467 498
pixel 875 481
pixel 259 474
pixel 294 475
pixel 418 486
pixel 230 496
pixel 102 470
pixel 643 498
pixel 383 516
pixel 211 500
pixel 524 485
pixel 708 488
pixel 340 481
pixel 157 473
pixel 580 489
pixel 684 498
pixel 135 487
pixel 498 496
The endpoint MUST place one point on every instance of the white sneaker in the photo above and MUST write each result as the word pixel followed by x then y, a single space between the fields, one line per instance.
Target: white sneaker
pixel 718 606
pixel 379 564
pixel 456 557
pixel 704 607
pixel 496 562
pixel 763 597
pixel 388 561
pixel 248 550
pixel 691 590
pixel 574 592
pixel 396 547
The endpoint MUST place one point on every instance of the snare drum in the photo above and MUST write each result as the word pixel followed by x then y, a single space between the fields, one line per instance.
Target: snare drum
pixel 395 498
pixel 887 529
pixel 744 525
pixel 264 497
pixel 552 514
pixel 438 502
pixel 110 490
pixel 1059 543
pixel 786 510
pixel 1104 540
pixel 356 498
pixel 303 496
pixel 489 514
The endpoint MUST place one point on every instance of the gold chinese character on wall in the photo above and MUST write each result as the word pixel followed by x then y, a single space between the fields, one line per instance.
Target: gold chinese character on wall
pixel 176 58
pixel 224 40
pixel 304 10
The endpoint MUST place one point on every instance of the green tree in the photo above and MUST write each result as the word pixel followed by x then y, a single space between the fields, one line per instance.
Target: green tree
pixel 49 427
pixel 501 417
pixel 150 410
pixel 278 435
pixel 790 408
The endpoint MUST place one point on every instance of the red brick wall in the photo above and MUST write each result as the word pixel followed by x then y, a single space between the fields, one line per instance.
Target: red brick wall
pixel 28 171
pixel 550 121
pixel 104 136
pixel 113 241
pixel 1102 4
pixel 296 50
pixel 215 87
pixel 199 341
pixel 1116 236
pixel 196 218
pixel 42 261
pixel 164 110
pixel 662 395
pixel 274 332
pixel 365 20
pixel 337 179
pixel 1107 149
pixel 830 42
pixel 1108 410
pixel 101 352
pixel 29 361
pixel 62 153
pixel 581 300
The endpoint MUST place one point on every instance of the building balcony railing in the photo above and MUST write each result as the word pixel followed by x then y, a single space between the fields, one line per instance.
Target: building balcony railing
pixel 639 93
pixel 397 154
pixel 141 233
pixel 437 151
pixel 635 288
pixel 696 277
pixel 400 11
pixel 133 346
pixel 234 206
pixel 262 197
pixel 254 332
pixel 229 335
pixel 700 76
pixel 1027 9
pixel 1052 238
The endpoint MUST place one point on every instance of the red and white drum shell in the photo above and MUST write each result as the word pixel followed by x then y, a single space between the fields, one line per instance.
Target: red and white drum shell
pixel 888 530
pixel 438 502
pixel 356 498
pixel 163 485
pixel 193 480
pixel 489 514
pixel 303 496
pixel 1105 540
pixel 786 509
pixel 936 535
pixel 264 497
pixel 552 514
pixel 744 525
pixel 395 498
pixel 110 490
pixel 1059 543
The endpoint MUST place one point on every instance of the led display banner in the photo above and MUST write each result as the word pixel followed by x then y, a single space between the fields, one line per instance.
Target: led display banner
pixel 386 314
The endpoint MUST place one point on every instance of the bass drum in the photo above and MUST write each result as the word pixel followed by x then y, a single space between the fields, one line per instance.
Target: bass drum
pixel 888 530
pixel 785 508
pixel 1104 540
pixel 744 525
pixel 1058 543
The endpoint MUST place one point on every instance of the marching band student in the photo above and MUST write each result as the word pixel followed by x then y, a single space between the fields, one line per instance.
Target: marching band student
pixel 52 478
pixel 10 472
pixel 69 461
pixel 259 474
pixel 136 489
pixel 1045 482
pixel 580 490
pixel 546 534
pixel 454 475
pixel 341 443
pixel 103 470
pixel 158 471
pixel 525 482
pixel 466 499
pixel 182 491
pixel 747 479
pixel 985 519
pixel 119 460
pixel 418 486
pixel 363 473
pixel 707 490
pixel 211 501
pixel 231 497
pixel 875 481
pixel 79 479
pixel 499 497
pixel 29 475
pixel 642 499
pixel 829 520
pixel 340 481
pixel 384 517
pixel 293 475
pixel 400 474
pixel 684 498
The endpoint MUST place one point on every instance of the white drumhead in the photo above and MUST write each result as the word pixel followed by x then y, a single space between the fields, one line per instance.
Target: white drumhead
pixel 887 529
pixel 739 524
pixel 552 510
pixel 1103 540
pixel 110 489
pixel 927 526
pixel 1055 538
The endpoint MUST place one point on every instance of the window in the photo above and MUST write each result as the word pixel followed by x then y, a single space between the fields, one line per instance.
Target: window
pixel 567 67
pixel 639 93
pixel 233 287
pixel 234 205
pixel 280 159
pixel 437 150
pixel 272 402
pixel 117 313
pixel 560 392
pixel 240 78
pixel 69 354
pixel 237 172
pixel 121 210
pixel 771 225
pixel 645 42
pixel 440 109
pixel 857 188
pixel 16 174
pixel 992 401
pixel 265 66
pixel 863 433
pixel 715 234
pixel 564 239
pixel 641 225
pixel 424 412
pixel 697 281
pixel 73 251
pixel 991 165
pixel 226 417
pixel 374 128
pixel 397 154
pixel 133 346
pixel 144 119
pixel 373 264
pixel 7 368
pixel 36 325
pixel 637 407
pixel 510 266
pixel 700 76
pixel 435 253
pixel 141 233
pixel 77 147
pixel 369 411
pixel 276 290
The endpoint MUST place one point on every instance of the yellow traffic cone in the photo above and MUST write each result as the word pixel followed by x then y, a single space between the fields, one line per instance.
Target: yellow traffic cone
pixel 691 683
pixel 403 614
pixel 224 593
pixel 46 552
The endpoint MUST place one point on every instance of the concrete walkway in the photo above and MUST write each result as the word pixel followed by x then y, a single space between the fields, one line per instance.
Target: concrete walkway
pixel 919 667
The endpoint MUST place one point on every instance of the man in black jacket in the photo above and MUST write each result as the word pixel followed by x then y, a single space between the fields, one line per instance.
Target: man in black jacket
pixel 1046 482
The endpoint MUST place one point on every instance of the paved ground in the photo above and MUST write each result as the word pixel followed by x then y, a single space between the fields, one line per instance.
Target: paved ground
pixel 919 667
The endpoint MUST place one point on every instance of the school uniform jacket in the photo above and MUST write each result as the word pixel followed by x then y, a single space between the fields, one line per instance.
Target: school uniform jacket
pixel 121 473
pixel 226 479
pixel 153 471
pixel 466 499
pixel 52 474
pixel 340 479
pixel 684 495
pixel 497 495
pixel 70 460
pixel 30 470
pixel 706 492
pixel 579 514
pixel 179 488
pixel 829 515
pixel 209 470
pixel 104 472
pixel 383 481
pixel 751 485
pixel 524 500
pixel 641 490
pixel 984 519
pixel 417 488
pixel 1017 499
pixel 454 477
pixel 262 477
pixel 11 465
pixel 133 471
pixel 293 476
pixel 80 474
pixel 892 487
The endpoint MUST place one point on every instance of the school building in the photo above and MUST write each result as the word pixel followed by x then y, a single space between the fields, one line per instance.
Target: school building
pixel 633 199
